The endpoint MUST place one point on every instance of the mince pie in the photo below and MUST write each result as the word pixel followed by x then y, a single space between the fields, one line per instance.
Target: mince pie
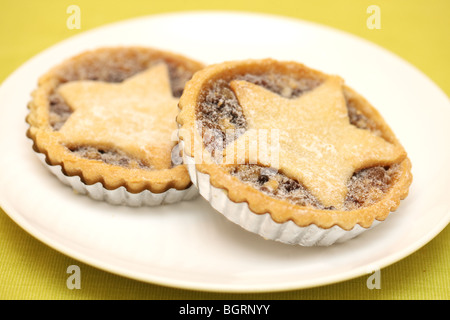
pixel 107 118
pixel 289 152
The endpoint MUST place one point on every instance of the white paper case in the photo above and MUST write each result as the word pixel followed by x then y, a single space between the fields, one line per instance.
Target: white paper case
pixel 263 224
pixel 121 196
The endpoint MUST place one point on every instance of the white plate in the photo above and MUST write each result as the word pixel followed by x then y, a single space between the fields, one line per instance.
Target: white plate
pixel 189 245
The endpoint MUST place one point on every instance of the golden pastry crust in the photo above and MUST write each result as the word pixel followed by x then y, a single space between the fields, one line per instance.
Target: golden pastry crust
pixel 123 61
pixel 259 202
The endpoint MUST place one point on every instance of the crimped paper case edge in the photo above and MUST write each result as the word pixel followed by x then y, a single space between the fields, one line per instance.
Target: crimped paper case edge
pixel 120 195
pixel 263 224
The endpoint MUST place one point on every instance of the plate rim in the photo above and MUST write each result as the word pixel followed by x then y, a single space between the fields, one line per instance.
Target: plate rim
pixel 15 216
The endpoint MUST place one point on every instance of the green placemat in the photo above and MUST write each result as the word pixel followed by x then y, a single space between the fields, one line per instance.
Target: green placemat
pixel 418 31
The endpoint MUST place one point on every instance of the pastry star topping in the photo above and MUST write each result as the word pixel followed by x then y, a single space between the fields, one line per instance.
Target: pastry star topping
pixel 317 144
pixel 136 116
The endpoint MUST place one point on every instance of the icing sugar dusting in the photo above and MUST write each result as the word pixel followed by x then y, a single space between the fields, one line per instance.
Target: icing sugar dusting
pixel 321 151
pixel 136 116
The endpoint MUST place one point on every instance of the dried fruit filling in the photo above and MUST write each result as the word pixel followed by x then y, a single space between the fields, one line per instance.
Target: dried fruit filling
pixel 109 68
pixel 220 111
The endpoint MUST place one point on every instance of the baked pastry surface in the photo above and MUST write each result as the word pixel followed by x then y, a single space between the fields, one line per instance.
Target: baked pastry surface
pixel 293 142
pixel 108 116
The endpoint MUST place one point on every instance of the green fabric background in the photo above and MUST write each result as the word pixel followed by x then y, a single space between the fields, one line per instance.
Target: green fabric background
pixel 418 31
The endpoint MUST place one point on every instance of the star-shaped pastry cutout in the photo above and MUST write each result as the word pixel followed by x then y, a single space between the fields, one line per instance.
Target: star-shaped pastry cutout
pixel 316 143
pixel 136 116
